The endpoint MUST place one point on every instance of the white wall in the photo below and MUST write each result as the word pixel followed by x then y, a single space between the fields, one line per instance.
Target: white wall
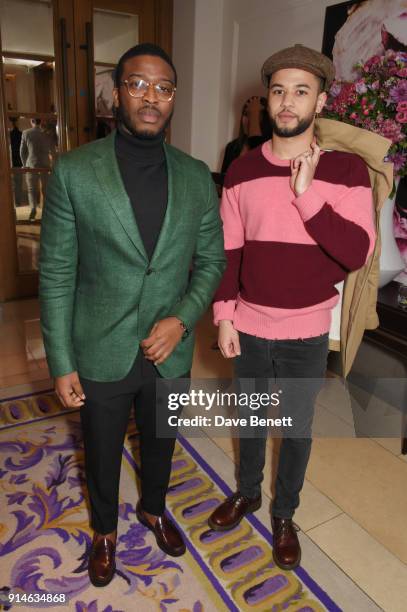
pixel 183 57
pixel 27 27
pixel 197 49
pixel 226 43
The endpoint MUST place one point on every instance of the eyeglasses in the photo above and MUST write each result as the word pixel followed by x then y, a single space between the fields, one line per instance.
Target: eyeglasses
pixel 138 88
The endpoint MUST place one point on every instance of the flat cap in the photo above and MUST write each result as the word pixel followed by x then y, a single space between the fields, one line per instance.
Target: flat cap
pixel 301 57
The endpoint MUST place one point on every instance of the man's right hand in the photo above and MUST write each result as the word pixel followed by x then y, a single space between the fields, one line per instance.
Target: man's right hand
pixel 69 390
pixel 228 339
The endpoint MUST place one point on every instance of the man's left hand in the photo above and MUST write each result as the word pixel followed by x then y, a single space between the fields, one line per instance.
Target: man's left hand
pixel 164 337
pixel 303 169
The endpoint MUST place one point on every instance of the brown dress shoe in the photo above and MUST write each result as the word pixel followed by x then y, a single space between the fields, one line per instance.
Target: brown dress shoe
pixel 230 513
pixel 101 565
pixel 166 533
pixel 286 547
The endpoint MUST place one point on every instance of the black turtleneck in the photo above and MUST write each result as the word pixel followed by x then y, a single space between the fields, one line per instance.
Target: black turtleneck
pixel 143 169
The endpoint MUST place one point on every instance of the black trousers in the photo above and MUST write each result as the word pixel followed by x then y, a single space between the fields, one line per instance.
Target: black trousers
pixel 104 417
pixel 299 367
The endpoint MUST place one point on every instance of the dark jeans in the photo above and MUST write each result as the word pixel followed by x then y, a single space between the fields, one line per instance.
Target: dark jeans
pixel 286 362
pixel 104 418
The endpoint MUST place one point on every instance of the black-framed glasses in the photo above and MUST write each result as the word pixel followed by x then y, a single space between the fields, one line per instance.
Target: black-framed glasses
pixel 137 88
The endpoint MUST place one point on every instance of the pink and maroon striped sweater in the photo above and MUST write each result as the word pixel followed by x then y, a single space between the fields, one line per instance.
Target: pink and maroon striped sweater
pixel 286 253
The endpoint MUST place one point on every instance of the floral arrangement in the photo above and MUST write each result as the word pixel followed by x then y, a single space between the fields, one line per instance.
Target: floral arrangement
pixel 376 101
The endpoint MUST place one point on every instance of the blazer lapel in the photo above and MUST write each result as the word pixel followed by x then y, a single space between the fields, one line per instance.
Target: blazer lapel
pixel 108 174
pixel 176 196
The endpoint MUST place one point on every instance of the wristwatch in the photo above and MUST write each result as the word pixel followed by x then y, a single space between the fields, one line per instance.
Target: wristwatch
pixel 185 328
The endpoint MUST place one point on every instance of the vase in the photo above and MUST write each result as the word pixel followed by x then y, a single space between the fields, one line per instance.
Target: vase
pixel 391 262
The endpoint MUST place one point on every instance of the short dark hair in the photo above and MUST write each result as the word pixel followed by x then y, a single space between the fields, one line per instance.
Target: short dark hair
pixel 142 49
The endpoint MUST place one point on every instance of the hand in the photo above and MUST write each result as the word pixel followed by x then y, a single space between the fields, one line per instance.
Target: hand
pixel 69 390
pixel 303 169
pixel 164 337
pixel 253 107
pixel 228 339
pixel 253 110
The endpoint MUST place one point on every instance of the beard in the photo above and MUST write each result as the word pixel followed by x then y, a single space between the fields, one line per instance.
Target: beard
pixel 124 118
pixel 300 128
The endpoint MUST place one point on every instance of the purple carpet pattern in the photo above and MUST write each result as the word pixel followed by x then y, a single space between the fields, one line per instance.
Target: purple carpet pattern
pixel 45 537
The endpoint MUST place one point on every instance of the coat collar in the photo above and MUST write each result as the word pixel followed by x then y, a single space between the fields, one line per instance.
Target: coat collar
pixel 108 173
pixel 371 147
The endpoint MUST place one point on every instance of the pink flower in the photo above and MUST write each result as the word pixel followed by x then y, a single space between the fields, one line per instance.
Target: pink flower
pixel 376 101
pixel 370 125
pixel 390 129
pixel 401 117
pixel 372 62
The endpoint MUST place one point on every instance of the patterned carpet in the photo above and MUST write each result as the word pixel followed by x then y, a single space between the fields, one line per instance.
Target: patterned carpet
pixel 45 538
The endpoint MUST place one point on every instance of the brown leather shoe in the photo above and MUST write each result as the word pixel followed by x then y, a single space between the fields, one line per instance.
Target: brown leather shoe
pixel 101 565
pixel 286 547
pixel 230 513
pixel 166 533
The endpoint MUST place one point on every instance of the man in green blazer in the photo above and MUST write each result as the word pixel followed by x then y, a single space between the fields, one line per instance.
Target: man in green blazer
pixel 124 219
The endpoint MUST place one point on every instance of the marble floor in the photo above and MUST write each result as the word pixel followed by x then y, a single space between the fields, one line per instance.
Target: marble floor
pixel 354 502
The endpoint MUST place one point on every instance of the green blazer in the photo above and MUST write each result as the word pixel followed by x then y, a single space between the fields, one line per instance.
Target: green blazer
pixel 99 293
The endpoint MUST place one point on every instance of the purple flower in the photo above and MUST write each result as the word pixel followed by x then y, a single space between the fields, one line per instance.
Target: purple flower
pixel 398 93
pixel 398 159
pixel 335 89
pixel 361 87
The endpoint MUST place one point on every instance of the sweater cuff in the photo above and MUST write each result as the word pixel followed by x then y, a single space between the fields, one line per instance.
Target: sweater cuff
pixel 309 203
pixel 223 310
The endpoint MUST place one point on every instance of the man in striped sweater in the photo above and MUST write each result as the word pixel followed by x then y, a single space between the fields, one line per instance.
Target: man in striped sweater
pixel 296 221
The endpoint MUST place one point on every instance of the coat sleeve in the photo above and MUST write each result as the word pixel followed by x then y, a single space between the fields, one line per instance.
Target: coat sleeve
pixel 58 271
pixel 24 149
pixel 208 262
pixel 344 228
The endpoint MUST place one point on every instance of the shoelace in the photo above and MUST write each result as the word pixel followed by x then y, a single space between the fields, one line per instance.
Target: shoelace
pixel 287 526
pixel 239 499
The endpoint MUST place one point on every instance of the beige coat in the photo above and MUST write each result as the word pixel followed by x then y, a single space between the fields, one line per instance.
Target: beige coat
pixel 358 310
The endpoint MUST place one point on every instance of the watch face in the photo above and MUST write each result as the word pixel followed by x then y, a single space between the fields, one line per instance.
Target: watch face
pixel 184 327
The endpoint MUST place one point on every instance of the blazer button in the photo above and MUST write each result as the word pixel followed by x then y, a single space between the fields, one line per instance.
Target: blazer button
pixel 150 271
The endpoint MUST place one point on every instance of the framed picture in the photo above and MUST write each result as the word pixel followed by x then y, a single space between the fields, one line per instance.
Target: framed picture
pixel 105 120
pixel 103 89
pixel 359 29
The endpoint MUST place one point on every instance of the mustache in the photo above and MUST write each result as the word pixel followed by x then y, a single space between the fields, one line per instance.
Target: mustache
pixel 286 110
pixel 150 109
